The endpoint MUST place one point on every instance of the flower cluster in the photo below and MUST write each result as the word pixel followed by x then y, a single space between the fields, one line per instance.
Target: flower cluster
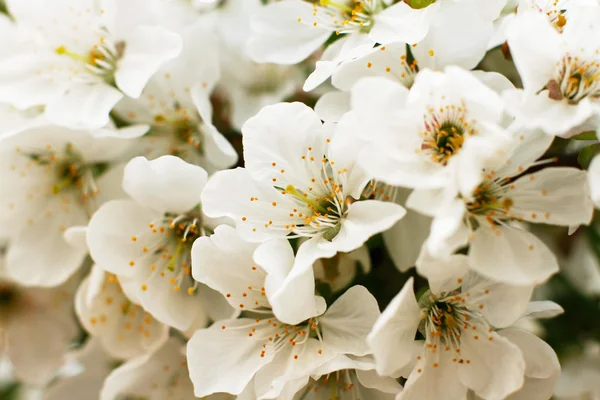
pixel 300 199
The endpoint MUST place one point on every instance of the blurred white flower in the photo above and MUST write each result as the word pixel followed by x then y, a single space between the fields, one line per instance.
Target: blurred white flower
pixel 84 56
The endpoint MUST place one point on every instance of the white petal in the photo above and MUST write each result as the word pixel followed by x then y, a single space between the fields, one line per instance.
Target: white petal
pixel 534 46
pixel 276 139
pixel 349 320
pixel 496 366
pixel 445 274
pixel 110 234
pixel 400 23
pixel 226 247
pixel 151 376
pixel 54 259
pixel 231 193
pixel 393 336
pixel 224 360
pixel 147 49
pixel 332 105
pixel 554 195
pixel 540 359
pixel 365 219
pixel 543 309
pixel 500 304
pixel 428 382
pixel 37 343
pixel 165 184
pixel 378 62
pixel 83 106
pixel 287 275
pixel 283 33
pixel 511 255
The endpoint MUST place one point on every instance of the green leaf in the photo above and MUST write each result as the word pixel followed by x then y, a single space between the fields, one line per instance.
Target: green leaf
pixel 420 3
pixel 589 135
pixel 587 154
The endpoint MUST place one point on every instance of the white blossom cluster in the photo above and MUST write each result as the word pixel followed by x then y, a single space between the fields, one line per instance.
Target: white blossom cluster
pixel 195 195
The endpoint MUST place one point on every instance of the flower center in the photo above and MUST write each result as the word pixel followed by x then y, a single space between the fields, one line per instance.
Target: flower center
pixel 71 172
pixel 276 335
pixel 575 80
pixel 347 16
pixel 444 319
pixel 489 198
pixel 101 60
pixel 168 245
pixel 340 385
pixel 445 132
pixel 181 131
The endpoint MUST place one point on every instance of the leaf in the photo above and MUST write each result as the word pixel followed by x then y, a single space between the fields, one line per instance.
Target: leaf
pixel 420 3
pixel 587 154
pixel 589 135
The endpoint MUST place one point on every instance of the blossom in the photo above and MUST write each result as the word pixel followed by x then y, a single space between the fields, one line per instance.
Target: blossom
pixel 52 178
pixel 147 239
pixel 446 125
pixel 159 374
pixel 559 72
pixel 484 218
pixel 36 326
pixel 84 57
pixel 96 366
pixel 276 342
pixel 299 181
pixel 124 328
pixel 462 348
pixel 175 105
pixel 289 31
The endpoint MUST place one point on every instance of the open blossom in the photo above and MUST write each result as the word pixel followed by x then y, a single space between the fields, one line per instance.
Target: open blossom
pixel 288 32
pixel 299 181
pixel 270 346
pixel 124 328
pixel 147 239
pixel 159 374
pixel 447 125
pixel 560 71
pixel 175 105
pixel 85 57
pixel 462 348
pixel 36 327
pixel 484 218
pixel 52 178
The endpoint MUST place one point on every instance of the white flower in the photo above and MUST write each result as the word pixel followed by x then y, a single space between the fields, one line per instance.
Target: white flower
pixel 484 218
pixel 85 57
pixel 274 343
pixel 288 32
pixel 148 239
pixel 124 328
pixel 299 181
pixel 560 71
pixel 160 374
pixel 345 378
pixel 446 125
pixel 36 326
pixel 52 178
pixel 461 349
pixel 87 383
pixel 175 104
